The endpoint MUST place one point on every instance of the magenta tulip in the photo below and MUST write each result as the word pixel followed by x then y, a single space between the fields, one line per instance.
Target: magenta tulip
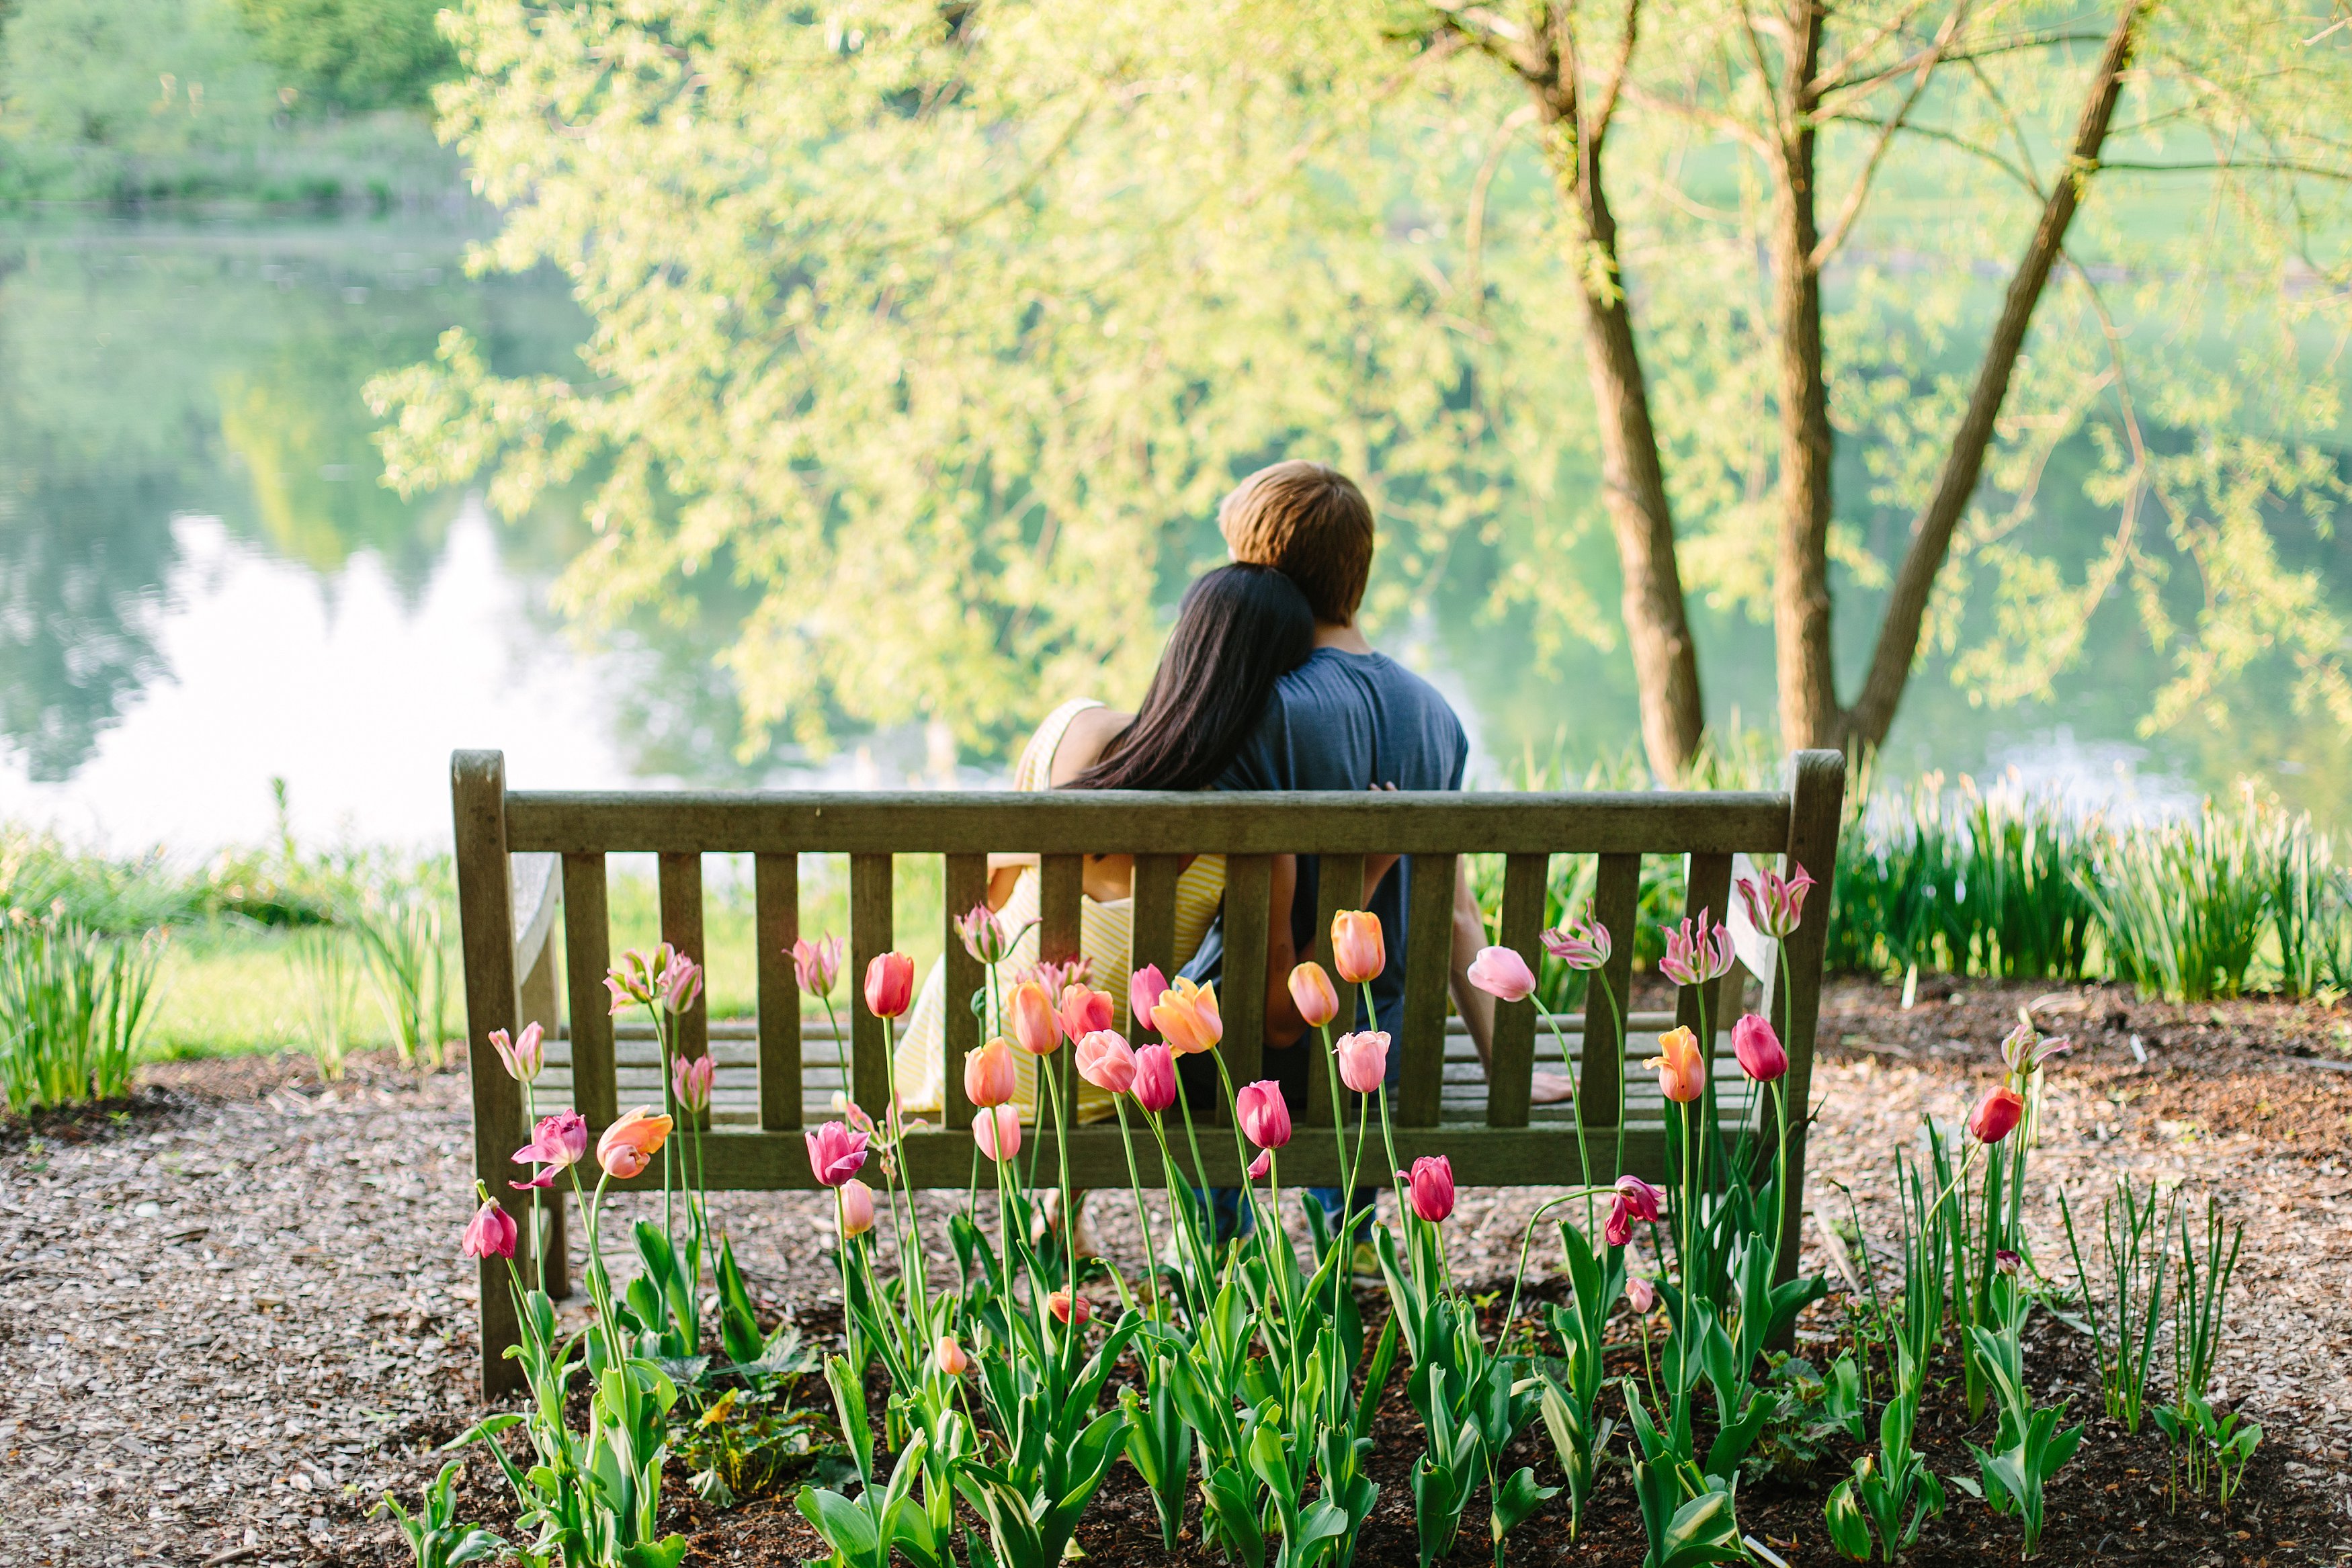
pixel 836 1152
pixel 558 1142
pixel 1155 1077
pixel 1697 951
pixel 1143 990
pixel 1776 903
pixel 1758 1048
pixel 1637 1202
pixel 1431 1185
pixel 492 1233
pixel 1579 944
pixel 816 965
pixel 1266 1120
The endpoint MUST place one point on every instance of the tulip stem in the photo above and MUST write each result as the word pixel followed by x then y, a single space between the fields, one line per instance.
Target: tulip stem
pixel 1142 1216
pixel 1576 1104
pixel 1527 1241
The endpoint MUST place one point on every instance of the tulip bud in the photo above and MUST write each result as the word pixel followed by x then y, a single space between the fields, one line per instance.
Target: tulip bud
pixel 950 1358
pixel 1502 973
pixel 1105 1060
pixel 890 985
pixel 1312 992
pixel 1143 989
pixel 690 1080
pixel 1357 949
pixel 2008 1262
pixel 1155 1077
pixel 1069 1309
pixel 1758 1048
pixel 1996 1115
pixel 1430 1184
pixel 997 1130
pixel 525 1058
pixel 857 1207
pixel 1265 1117
pixel 1640 1295
pixel 1363 1060
pixel 1030 1014
pixel 990 1077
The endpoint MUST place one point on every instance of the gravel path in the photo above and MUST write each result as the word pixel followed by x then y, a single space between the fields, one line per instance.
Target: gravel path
pixel 235 1313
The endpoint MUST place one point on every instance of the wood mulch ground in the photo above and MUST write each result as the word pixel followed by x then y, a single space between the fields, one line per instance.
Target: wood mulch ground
pixel 234 1313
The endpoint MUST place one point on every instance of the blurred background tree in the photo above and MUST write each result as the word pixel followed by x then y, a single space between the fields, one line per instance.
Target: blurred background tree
pixel 353 53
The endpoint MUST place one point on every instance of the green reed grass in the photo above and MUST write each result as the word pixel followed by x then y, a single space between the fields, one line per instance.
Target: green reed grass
pixel 2124 1319
pixel 73 1004
pixel 326 980
pixel 407 963
pixel 2182 905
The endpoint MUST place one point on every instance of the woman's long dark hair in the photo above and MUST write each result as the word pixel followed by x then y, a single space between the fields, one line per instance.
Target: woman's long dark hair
pixel 1239 628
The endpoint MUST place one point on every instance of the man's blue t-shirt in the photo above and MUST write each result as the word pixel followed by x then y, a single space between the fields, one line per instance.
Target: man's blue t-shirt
pixel 1349 721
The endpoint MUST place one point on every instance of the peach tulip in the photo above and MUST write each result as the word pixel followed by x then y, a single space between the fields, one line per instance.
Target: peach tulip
pixel 1187 1018
pixel 1029 1013
pixel 1311 991
pixel 630 1143
pixel 950 1358
pixel 1682 1071
pixel 856 1208
pixel 1083 1011
pixel 990 1075
pixel 1106 1060
pixel 1356 951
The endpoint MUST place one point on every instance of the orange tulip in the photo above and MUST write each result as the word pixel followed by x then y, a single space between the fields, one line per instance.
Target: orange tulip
pixel 949 1357
pixel 1355 946
pixel 1682 1071
pixel 989 1074
pixel 1030 1014
pixel 1188 1019
pixel 1311 989
pixel 630 1143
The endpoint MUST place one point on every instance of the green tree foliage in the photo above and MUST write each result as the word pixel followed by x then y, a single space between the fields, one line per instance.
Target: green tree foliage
pixel 941 329
pixel 132 76
pixel 353 53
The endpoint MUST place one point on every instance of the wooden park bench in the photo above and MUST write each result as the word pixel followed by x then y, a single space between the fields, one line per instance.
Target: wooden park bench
pixel 531 868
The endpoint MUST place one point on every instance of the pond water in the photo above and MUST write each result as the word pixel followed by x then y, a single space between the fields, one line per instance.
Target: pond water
pixel 203 586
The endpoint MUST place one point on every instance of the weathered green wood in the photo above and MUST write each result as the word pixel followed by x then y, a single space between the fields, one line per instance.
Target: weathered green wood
pixel 776 925
pixel 1707 885
pixel 1249 888
pixel 1155 925
pixel 1114 821
pixel 486 937
pixel 1816 782
pixel 1428 961
pixel 1339 885
pixel 870 935
pixel 1510 1074
pixel 587 955
pixel 679 880
pixel 1600 1075
pixel 967 888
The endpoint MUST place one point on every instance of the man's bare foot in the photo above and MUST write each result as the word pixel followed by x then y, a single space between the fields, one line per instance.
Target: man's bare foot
pixel 1049 1223
pixel 1551 1088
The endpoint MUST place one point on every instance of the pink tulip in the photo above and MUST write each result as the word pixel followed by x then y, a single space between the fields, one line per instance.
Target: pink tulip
pixel 1357 949
pixel 1637 1202
pixel 1500 972
pixel 1188 1019
pixel 950 1358
pixel 989 1075
pixel 1431 1185
pixel 629 1145
pixel 1155 1077
pixel 1697 952
pixel 2024 1050
pixel 1579 944
pixel 524 1059
pixel 836 1152
pixel 1059 977
pixel 636 978
pixel 1363 1060
pixel 1312 992
pixel 984 934
pixel 1776 903
pixel 1083 1011
pixel 890 985
pixel 1105 1060
pixel 690 1080
pixel 1266 1120
pixel 1259 1167
pixel 817 965
pixel 557 1143
pixel 1758 1048
pixel 1143 989
pixel 1640 1295
pixel 1069 1309
pixel 856 1208
pixel 1996 1115
pixel 997 1130
pixel 492 1233
pixel 682 982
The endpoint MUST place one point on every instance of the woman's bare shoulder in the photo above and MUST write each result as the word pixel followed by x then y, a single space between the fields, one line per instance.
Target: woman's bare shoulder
pixel 1090 734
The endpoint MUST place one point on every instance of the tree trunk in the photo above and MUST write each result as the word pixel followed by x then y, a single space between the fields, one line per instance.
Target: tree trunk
pixel 1800 587
pixel 1633 486
pixel 1898 636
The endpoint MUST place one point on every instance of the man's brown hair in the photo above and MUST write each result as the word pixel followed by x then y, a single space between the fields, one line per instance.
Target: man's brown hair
pixel 1309 522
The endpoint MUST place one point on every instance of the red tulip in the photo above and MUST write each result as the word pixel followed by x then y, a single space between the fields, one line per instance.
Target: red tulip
pixel 1431 1185
pixel 1069 1309
pixel 1357 950
pixel 1500 972
pixel 492 1233
pixel 1266 1120
pixel 1310 990
pixel 1758 1048
pixel 836 1152
pixel 1155 1077
pixel 1997 1114
pixel 950 1358
pixel 890 985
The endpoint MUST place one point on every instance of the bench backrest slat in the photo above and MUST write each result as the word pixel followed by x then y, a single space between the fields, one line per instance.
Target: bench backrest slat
pixel 967 888
pixel 1608 998
pixel 587 953
pixel 1508 1083
pixel 776 925
pixel 1339 885
pixel 1429 948
pixel 872 933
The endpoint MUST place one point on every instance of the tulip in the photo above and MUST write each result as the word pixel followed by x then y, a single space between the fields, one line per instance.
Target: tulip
pixel 2008 1262
pixel 984 934
pixel 1266 1120
pixel 1682 1071
pixel 997 1130
pixel 1187 1019
pixel 1356 950
pixel 890 985
pixel 2024 1050
pixel 1697 952
pixel 1083 1011
pixel 1155 1077
pixel 1640 1295
pixel 1637 1202
pixel 989 1076
pixel 1758 1048
pixel 630 1143
pixel 836 1152
pixel 1069 1309
pixel 557 1143
pixel 1058 978
pixel 1579 944
pixel 690 1079
pixel 1363 1060
pixel 1776 903
pixel 634 980
pixel 1500 972
pixel 1996 1115
pixel 1310 990
pixel 1143 989
pixel 525 1058
pixel 950 1358
pixel 1259 1167
pixel 1029 1014
pixel 816 965
pixel 1431 1186
pixel 856 1208
pixel 492 1233
pixel 680 982
pixel 1106 1060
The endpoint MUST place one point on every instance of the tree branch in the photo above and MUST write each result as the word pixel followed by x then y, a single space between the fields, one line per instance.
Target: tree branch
pixel 1851 209
pixel 1937 133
